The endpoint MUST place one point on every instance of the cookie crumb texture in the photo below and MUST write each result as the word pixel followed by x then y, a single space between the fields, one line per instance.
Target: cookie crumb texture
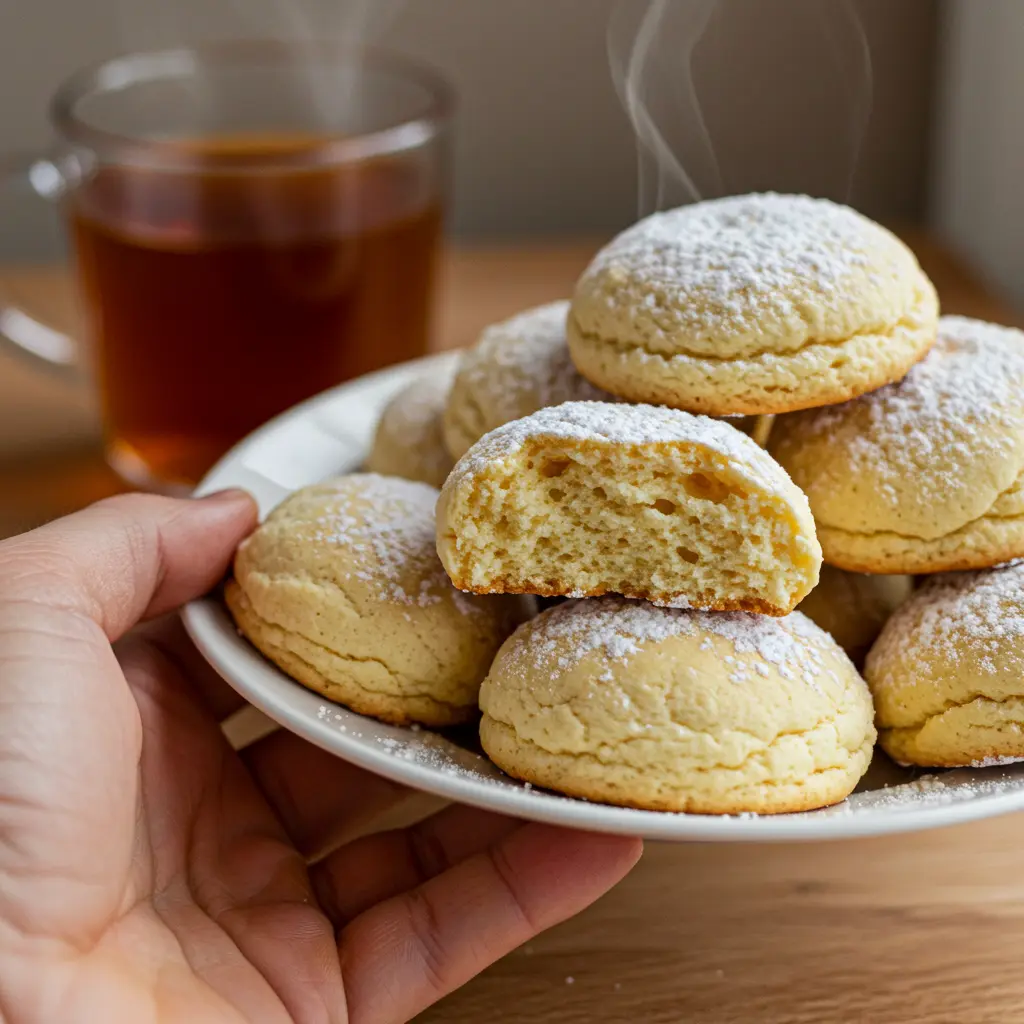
pixel 342 589
pixel 751 304
pixel 947 672
pixel 667 709
pixel 591 498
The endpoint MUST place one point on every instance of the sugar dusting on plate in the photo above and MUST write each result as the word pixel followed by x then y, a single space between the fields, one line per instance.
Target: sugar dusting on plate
pixel 427 750
pixel 932 790
pixel 437 753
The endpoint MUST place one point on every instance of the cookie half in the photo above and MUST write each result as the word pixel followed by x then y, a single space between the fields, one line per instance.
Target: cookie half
pixel 751 304
pixel 625 703
pixel 589 498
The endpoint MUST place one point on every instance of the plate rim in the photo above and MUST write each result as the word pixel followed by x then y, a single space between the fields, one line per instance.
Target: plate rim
pixel 267 688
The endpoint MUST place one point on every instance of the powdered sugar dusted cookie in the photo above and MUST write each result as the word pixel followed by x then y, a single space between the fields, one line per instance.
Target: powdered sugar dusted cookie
pixel 751 304
pixel 341 587
pixel 947 673
pixel 923 475
pixel 664 709
pixel 522 365
pixel 409 442
pixel 588 498
pixel 517 367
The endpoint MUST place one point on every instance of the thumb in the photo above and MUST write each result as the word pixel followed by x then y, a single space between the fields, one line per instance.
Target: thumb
pixel 127 558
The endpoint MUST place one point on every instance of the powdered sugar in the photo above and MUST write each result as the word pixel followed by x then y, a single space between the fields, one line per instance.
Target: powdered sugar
pixel 426 749
pixel 626 425
pixel 434 752
pixel 618 629
pixel 996 762
pixel 980 614
pixel 974 367
pixel 613 625
pixel 792 645
pixel 440 755
pixel 522 364
pixel 929 790
pixel 386 526
pixel 962 403
pixel 722 267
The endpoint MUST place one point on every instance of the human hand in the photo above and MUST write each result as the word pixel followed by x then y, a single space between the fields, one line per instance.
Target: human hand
pixel 148 872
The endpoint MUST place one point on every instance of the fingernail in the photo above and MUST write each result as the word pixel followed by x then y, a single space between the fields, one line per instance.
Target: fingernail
pixel 229 494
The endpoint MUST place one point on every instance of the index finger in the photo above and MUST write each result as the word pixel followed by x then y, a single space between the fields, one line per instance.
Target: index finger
pixel 127 558
pixel 401 955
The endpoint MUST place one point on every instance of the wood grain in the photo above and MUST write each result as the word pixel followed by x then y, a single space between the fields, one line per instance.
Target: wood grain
pixel 922 929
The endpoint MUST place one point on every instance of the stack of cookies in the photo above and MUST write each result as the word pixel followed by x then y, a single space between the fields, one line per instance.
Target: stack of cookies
pixel 736 391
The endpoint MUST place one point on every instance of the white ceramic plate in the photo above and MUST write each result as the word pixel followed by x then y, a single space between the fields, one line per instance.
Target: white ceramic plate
pixel 331 434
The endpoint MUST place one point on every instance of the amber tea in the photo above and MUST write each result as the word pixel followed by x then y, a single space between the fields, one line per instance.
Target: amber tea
pixel 218 296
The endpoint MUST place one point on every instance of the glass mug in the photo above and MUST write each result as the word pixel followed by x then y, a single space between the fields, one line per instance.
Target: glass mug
pixel 251 223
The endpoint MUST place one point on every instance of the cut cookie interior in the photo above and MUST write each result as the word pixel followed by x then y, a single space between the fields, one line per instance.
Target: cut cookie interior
pixel 589 498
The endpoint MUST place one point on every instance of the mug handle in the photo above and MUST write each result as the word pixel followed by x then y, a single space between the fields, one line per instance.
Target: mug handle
pixel 42 180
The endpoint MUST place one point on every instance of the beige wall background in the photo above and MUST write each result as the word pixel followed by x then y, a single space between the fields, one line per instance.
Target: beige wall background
pixel 543 144
pixel 978 201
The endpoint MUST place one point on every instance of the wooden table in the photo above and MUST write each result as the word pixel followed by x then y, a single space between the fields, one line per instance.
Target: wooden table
pixel 920 929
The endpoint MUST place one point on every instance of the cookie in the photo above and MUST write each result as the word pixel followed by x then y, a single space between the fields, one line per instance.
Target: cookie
pixel 664 709
pixel 751 304
pixel 924 475
pixel 947 672
pixel 409 441
pixel 517 367
pixel 852 607
pixel 520 366
pixel 588 498
pixel 341 588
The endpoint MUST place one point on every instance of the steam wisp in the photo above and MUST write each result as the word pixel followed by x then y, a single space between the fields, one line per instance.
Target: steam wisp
pixel 728 96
